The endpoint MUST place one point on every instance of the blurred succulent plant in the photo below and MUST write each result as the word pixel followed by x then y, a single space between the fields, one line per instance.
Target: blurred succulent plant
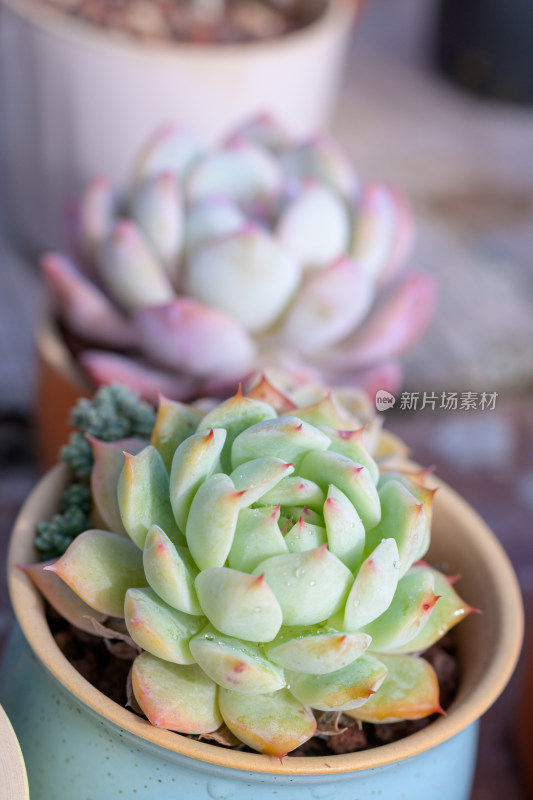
pixel 261 254
pixel 266 567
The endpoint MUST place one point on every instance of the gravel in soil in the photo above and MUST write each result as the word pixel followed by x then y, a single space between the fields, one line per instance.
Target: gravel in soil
pixel 194 21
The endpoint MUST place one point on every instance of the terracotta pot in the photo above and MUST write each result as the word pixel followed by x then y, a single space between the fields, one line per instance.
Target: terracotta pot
pixel 60 383
pixel 13 779
pixel 78 743
pixel 77 100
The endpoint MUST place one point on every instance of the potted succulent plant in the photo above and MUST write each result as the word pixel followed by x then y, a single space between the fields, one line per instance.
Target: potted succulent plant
pixel 263 561
pixel 13 778
pixel 63 74
pixel 264 253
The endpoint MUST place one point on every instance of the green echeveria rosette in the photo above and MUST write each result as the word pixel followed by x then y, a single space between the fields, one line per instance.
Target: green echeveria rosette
pixel 266 568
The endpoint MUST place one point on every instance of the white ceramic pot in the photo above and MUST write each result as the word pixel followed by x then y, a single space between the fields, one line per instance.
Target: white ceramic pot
pixel 77 100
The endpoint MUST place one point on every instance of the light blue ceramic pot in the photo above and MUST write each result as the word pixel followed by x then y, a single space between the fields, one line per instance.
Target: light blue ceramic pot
pixel 79 745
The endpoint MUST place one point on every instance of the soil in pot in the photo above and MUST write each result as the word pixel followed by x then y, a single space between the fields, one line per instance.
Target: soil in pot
pixel 106 664
pixel 195 21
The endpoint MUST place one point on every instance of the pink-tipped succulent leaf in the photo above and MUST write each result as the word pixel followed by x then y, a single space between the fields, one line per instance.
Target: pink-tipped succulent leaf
pixel 83 307
pixel 190 338
pixel 104 367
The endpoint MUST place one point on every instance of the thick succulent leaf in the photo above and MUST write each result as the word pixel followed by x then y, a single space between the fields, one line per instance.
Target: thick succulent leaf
pixel 104 367
pixel 174 696
pixel 286 437
pixel 109 460
pixel 158 628
pixel 408 613
pixel 171 149
pixel 321 158
pixel 328 307
pixel 354 480
pixel 243 172
pixel 175 422
pixel 396 323
pixel 449 610
pixel 389 448
pixel 358 406
pixel 315 226
pixel 315 650
pixel 222 736
pixel 143 497
pixel 344 528
pixel 267 511
pixel 130 271
pixel 302 512
pixel 234 664
pixel 257 537
pixel 247 275
pixel 352 444
pixel 410 691
pixel 84 308
pixel 328 412
pixel 187 336
pixel 264 130
pixel 195 459
pixel 388 375
pixel 61 597
pixel 235 415
pixel 265 391
pixel 118 640
pixel 239 604
pixel 310 586
pixel 100 567
pixel 383 232
pixel 273 723
pixel 170 571
pixel 305 536
pixel 285 523
pixel 414 482
pixel 210 219
pixel 346 688
pixel 374 587
pixel 296 491
pixel 157 208
pixel 404 519
pixel 96 212
pixel 258 477
pixel 302 383
pixel 212 521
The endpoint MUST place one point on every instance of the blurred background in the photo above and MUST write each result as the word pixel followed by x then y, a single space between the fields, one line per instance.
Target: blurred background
pixel 436 97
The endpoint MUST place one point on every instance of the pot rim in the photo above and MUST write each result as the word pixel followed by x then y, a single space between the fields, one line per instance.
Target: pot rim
pixel 29 610
pixel 13 777
pixel 336 16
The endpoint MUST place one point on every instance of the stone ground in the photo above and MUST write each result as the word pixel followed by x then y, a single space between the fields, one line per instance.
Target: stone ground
pixel 466 166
